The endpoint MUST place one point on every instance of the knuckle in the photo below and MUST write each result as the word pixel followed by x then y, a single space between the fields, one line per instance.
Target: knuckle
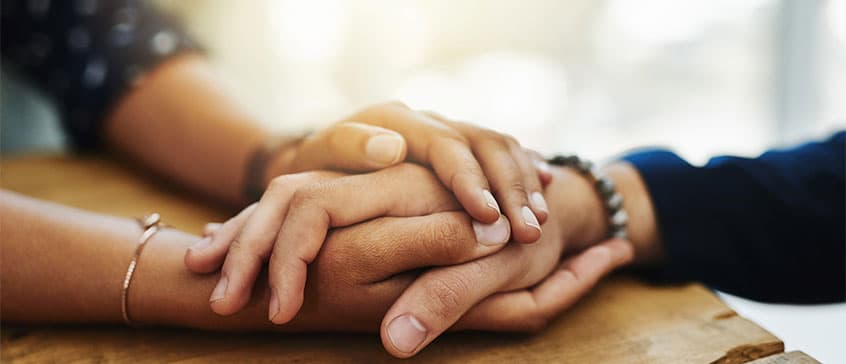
pixel 395 104
pixel 306 196
pixel 490 135
pixel 291 181
pixel 279 183
pixel 452 239
pixel 510 140
pixel 245 251
pixel 519 188
pixel 446 295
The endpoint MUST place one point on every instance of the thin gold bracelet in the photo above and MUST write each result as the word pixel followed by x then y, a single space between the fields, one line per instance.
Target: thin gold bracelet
pixel 151 225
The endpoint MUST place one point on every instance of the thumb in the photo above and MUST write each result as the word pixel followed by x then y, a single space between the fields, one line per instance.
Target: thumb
pixel 352 147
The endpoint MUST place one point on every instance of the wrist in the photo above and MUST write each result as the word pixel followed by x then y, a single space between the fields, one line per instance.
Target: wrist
pixel 165 293
pixel 270 158
pixel 577 207
pixel 642 225
pixel 584 220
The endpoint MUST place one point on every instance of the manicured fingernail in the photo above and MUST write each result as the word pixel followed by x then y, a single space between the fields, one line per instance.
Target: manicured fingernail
pixel 406 333
pixel 274 305
pixel 542 166
pixel 538 202
pixel 202 244
pixel 529 217
pixel 490 200
pixel 219 290
pixel 384 148
pixel 492 234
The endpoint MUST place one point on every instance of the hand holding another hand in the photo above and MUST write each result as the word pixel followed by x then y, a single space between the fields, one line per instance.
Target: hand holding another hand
pixel 365 268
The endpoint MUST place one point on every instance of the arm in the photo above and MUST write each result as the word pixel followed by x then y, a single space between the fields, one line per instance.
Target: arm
pixel 769 228
pixel 129 77
pixel 126 76
pixel 63 265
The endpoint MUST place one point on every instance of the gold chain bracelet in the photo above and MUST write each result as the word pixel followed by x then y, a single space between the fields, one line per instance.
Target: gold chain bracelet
pixel 151 225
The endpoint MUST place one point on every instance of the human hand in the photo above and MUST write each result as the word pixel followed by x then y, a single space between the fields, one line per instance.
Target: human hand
pixel 485 169
pixel 355 279
pixel 444 296
pixel 289 225
pixel 468 296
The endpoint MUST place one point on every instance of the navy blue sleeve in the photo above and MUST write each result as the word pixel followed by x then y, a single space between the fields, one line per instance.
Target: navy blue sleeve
pixel 770 228
pixel 86 54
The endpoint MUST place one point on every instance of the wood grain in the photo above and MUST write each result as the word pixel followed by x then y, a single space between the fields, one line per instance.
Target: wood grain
pixel 622 321
pixel 793 357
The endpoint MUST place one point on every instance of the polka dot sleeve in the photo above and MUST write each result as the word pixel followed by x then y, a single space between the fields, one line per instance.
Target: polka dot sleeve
pixel 85 54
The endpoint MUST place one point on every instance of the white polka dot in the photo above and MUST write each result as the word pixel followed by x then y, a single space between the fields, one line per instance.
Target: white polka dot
pixel 85 7
pixel 79 39
pixel 163 43
pixel 39 7
pixel 94 73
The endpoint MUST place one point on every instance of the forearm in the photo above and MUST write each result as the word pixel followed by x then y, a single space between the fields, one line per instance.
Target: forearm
pixel 181 122
pixel 63 265
pixel 60 264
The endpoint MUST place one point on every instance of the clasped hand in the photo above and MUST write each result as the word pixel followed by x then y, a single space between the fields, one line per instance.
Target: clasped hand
pixel 396 246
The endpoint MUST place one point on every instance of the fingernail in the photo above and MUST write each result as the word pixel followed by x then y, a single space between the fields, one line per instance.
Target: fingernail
pixel 406 333
pixel 539 202
pixel 492 234
pixel 529 217
pixel 219 290
pixel 202 244
pixel 490 200
pixel 274 305
pixel 543 166
pixel 384 148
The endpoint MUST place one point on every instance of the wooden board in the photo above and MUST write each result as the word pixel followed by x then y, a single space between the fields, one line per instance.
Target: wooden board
pixel 622 321
pixel 793 357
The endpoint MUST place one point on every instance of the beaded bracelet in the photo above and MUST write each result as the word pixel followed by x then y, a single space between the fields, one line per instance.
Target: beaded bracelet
pixel 613 201
pixel 151 224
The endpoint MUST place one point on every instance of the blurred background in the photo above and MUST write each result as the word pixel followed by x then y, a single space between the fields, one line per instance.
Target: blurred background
pixel 702 77
pixel 597 77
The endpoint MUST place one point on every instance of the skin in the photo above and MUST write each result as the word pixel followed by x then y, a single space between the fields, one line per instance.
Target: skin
pixel 181 121
pixel 369 264
pixel 440 297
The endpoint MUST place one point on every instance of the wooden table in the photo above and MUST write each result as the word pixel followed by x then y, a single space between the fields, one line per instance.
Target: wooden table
pixel 622 321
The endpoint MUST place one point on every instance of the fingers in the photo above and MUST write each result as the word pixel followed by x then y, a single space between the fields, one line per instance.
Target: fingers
pixel 541 166
pixel 531 180
pixel 446 150
pixel 380 249
pixel 250 247
pixel 404 190
pixel 532 309
pixel 435 301
pixel 350 146
pixel 508 185
pixel 207 254
pixel 457 167
pixel 510 173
